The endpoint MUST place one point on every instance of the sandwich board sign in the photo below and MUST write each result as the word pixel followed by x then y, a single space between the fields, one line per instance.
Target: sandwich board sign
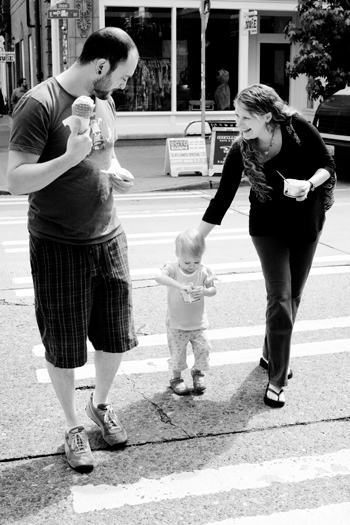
pixel 186 155
pixel 222 136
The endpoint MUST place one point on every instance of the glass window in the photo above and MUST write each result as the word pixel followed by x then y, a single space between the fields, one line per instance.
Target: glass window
pixel 273 59
pixel 273 24
pixel 150 87
pixel 221 59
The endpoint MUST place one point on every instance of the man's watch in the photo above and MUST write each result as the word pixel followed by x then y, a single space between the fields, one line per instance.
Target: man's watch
pixel 312 185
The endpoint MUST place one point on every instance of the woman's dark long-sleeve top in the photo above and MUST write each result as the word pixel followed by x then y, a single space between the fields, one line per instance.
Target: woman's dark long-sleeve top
pixel 281 217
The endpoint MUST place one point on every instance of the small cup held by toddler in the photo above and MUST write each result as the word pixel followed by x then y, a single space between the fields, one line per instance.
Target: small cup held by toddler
pixel 186 296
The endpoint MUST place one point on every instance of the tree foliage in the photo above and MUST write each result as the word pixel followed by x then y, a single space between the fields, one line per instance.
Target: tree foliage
pixel 323 35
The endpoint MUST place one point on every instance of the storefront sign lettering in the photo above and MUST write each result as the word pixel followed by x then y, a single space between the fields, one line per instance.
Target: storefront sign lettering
pixel 251 22
pixel 187 155
pixel 221 142
pixel 8 56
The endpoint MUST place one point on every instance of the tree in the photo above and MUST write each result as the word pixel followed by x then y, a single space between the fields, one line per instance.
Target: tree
pixel 323 35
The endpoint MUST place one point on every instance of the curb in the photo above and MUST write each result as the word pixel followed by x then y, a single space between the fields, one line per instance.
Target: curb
pixel 204 185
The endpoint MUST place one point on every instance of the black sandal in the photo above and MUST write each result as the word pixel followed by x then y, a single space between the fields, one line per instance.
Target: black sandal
pixel 265 365
pixel 273 402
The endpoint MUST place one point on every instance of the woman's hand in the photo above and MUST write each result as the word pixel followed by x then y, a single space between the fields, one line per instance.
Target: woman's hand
pixel 303 191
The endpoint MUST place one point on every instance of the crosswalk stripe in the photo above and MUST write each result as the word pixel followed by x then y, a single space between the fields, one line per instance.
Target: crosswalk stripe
pixel 147 272
pixel 230 278
pixel 147 242
pixel 244 476
pixel 233 332
pixel 25 242
pixel 337 513
pixel 232 357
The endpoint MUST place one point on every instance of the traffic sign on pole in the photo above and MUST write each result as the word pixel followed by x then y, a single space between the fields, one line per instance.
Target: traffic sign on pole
pixel 63 13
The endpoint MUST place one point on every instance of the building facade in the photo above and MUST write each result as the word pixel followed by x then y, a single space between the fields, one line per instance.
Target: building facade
pixel 164 94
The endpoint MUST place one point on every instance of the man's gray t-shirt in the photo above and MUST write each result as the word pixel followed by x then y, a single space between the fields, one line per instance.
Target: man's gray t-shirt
pixel 78 207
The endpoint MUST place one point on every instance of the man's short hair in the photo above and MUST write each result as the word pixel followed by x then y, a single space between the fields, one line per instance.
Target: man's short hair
pixel 111 43
pixel 21 81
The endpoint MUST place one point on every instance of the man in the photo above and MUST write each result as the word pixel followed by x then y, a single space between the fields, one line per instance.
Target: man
pixel 78 248
pixel 19 92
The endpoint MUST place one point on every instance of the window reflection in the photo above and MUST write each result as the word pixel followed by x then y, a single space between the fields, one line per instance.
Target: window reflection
pixel 150 87
pixel 221 59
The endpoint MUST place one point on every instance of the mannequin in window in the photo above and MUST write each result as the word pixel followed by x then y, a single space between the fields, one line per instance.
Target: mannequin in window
pixel 222 93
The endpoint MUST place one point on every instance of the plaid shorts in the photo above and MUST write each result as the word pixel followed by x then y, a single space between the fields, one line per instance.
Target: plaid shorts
pixel 82 292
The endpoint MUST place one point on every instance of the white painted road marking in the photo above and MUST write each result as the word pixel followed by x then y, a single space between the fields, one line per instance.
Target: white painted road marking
pixel 229 278
pixel 234 357
pixel 244 476
pixel 172 234
pixel 338 514
pixel 234 332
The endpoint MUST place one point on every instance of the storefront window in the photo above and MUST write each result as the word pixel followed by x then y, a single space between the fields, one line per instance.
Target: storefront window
pixel 273 24
pixel 150 87
pixel 221 59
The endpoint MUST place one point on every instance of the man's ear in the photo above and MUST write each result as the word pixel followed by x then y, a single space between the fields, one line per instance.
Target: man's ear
pixel 100 66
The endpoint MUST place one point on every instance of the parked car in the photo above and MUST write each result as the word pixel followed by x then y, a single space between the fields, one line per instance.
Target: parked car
pixel 332 119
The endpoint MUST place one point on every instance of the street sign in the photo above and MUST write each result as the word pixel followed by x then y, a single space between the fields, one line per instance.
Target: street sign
pixel 251 22
pixel 61 5
pixel 8 56
pixel 63 13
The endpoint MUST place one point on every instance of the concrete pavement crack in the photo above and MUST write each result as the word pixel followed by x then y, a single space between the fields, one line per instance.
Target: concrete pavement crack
pixel 4 302
pixel 162 415
pixel 193 437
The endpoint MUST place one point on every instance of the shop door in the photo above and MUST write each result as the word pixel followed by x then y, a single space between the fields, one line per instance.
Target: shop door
pixel 273 59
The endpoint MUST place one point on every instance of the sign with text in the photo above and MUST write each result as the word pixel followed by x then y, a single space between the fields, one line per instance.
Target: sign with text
pixel 63 13
pixel 186 155
pixel 8 56
pixel 222 137
pixel 251 22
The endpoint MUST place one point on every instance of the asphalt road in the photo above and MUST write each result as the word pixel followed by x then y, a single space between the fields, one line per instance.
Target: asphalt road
pixel 220 458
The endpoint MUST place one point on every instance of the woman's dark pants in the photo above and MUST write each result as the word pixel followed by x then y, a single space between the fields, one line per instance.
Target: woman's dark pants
pixel 285 269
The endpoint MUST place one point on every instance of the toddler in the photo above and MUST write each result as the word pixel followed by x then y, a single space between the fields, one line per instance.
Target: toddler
pixel 188 282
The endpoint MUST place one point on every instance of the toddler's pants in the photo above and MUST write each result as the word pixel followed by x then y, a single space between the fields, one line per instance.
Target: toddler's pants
pixel 178 341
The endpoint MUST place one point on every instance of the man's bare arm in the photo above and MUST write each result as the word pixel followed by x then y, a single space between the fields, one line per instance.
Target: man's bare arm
pixel 25 175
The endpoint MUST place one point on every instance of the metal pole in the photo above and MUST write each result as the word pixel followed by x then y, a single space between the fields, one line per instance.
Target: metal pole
pixel 203 24
pixel 39 73
pixel 55 44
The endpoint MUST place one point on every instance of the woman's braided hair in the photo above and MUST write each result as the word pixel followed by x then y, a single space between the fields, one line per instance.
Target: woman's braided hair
pixel 258 100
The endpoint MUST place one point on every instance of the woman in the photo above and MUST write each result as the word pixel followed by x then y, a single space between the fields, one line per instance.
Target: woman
pixel 276 143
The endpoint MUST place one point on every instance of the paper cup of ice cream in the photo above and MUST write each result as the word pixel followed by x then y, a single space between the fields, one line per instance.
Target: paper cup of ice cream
pixel 292 187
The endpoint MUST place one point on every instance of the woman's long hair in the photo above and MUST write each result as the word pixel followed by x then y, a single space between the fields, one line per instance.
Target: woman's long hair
pixel 259 99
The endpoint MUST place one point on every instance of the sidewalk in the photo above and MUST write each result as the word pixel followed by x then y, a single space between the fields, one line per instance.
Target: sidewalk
pixel 144 158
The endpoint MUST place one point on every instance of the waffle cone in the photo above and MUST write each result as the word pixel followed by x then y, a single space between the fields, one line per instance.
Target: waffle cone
pixel 83 107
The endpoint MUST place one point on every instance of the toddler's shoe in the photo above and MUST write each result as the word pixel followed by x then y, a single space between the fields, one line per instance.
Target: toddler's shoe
pixel 178 386
pixel 198 380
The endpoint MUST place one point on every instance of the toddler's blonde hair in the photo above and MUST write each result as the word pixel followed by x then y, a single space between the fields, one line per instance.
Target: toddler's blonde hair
pixel 191 242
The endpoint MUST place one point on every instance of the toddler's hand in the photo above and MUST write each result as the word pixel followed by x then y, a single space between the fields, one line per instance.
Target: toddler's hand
pixel 197 292
pixel 186 288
